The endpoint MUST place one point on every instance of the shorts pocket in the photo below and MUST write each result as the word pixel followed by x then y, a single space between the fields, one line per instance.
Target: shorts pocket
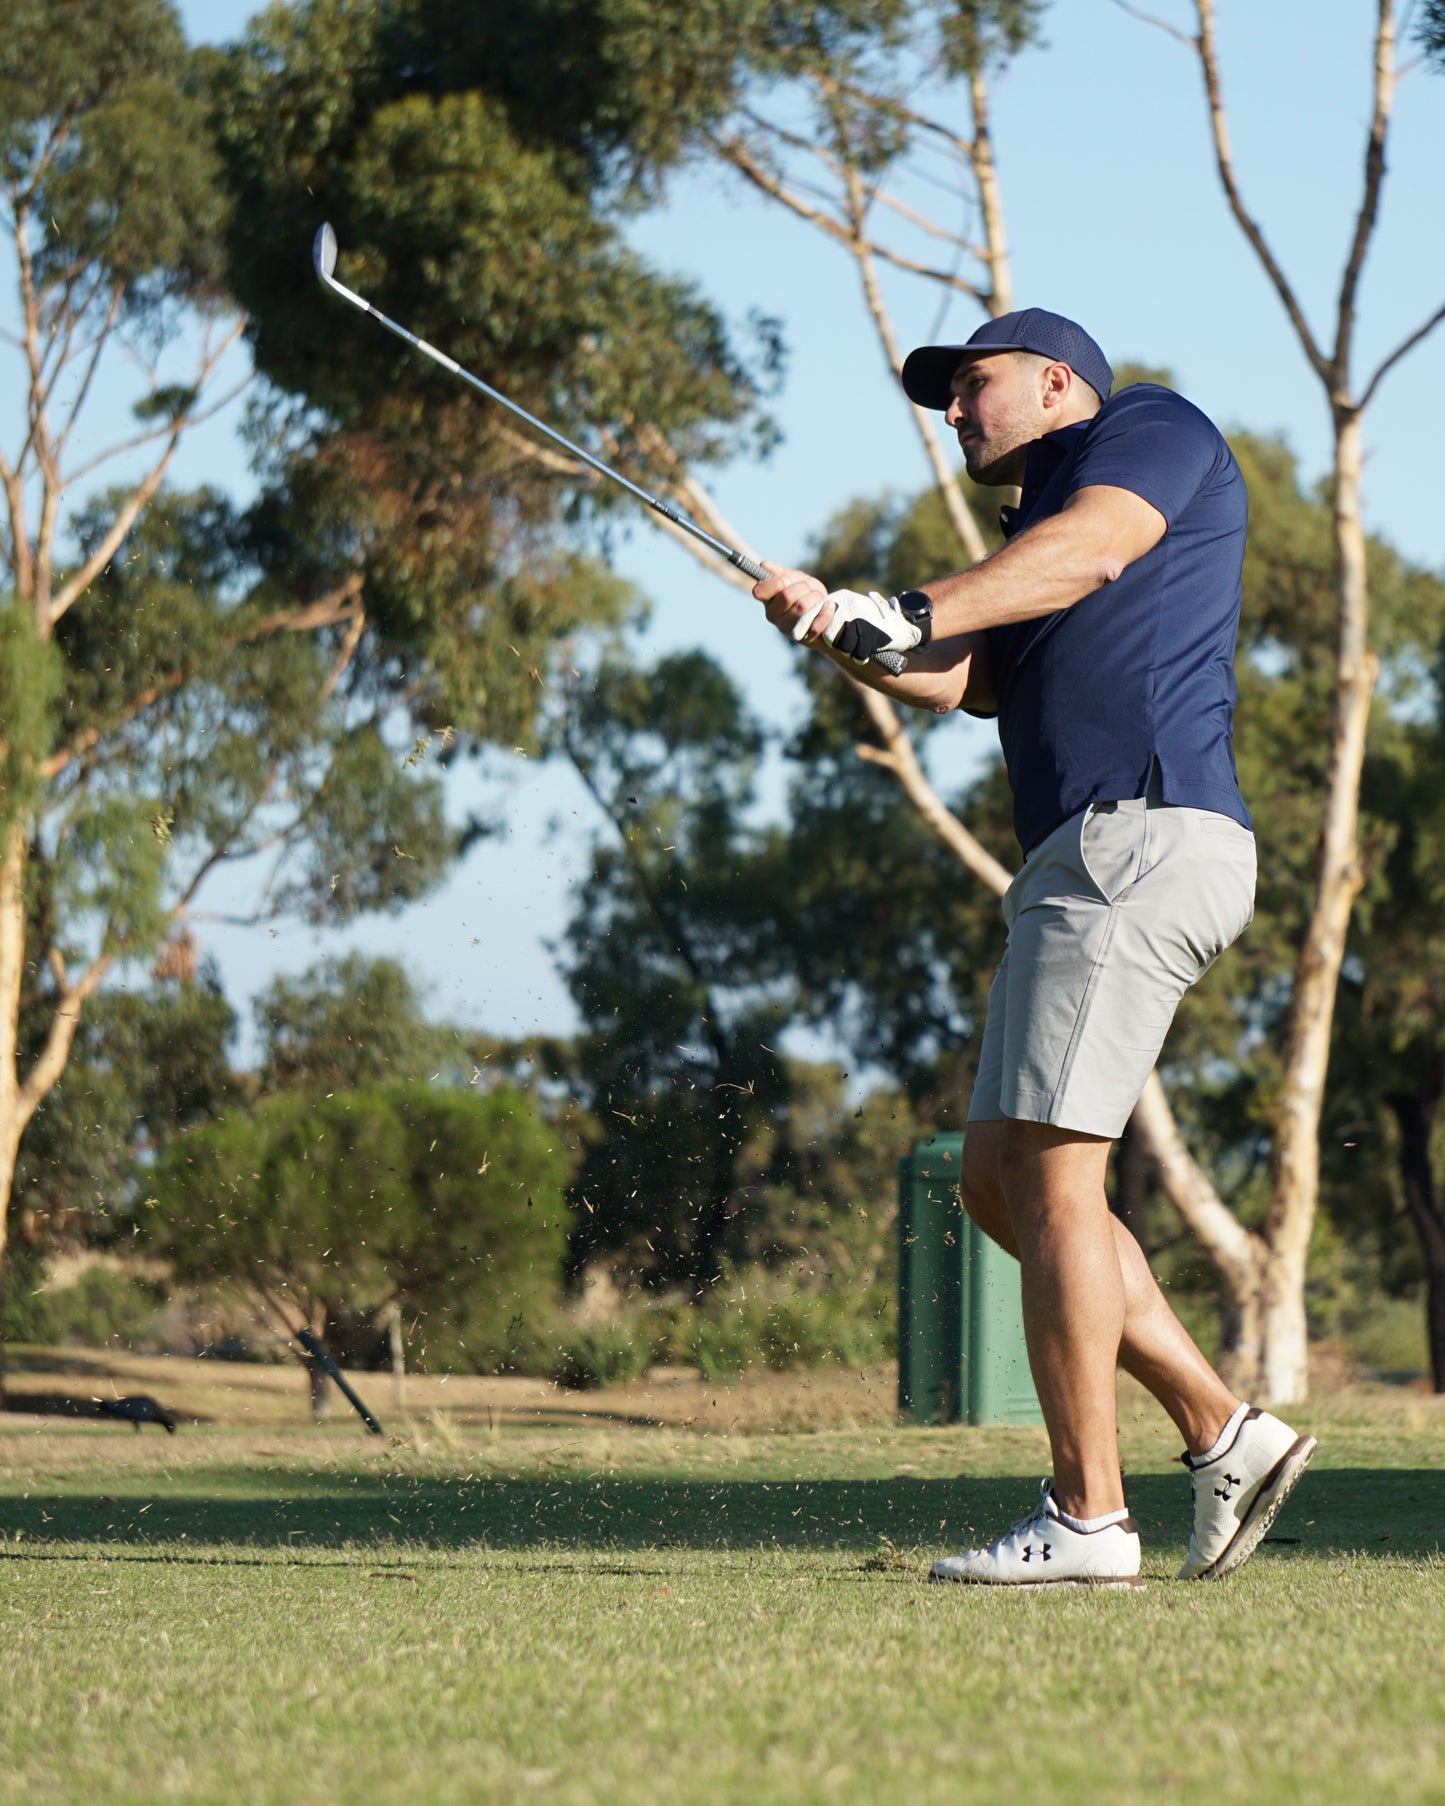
pixel 1112 838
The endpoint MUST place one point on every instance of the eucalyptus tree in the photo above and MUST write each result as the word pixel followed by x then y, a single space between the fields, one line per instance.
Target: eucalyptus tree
pixel 1340 867
pixel 674 963
pixel 184 685
pixel 113 213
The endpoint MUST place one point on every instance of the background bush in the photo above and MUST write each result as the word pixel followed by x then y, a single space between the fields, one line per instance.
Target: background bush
pixel 449 1201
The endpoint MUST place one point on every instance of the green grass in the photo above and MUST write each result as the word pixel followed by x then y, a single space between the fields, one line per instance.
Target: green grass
pixel 598 1615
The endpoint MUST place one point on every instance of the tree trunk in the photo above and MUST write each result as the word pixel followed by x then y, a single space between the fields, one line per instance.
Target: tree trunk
pixel 1294 1180
pixel 1284 1369
pixel 1413 1114
pixel 318 1389
pixel 318 1381
pixel 13 1115
pixel 704 1261
pixel 396 1345
pixel 1241 1327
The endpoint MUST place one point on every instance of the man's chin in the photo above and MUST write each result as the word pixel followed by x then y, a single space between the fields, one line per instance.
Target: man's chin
pixel 986 466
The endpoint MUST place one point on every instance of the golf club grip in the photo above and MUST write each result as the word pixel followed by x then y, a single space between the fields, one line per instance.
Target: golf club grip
pixel 894 663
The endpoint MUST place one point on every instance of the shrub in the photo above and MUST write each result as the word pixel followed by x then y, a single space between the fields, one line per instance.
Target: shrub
pixel 767 1320
pixel 605 1356
pixel 450 1200
pixel 102 1306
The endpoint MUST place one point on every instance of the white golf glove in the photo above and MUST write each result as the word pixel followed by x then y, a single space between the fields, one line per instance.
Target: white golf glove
pixel 863 625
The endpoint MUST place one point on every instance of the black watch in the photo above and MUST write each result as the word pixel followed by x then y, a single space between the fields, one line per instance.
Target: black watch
pixel 918 609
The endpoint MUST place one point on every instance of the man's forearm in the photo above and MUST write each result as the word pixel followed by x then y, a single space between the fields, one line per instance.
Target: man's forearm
pixel 937 679
pixel 1048 567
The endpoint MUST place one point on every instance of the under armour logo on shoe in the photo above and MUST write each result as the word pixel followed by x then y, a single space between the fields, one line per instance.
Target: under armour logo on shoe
pixel 1044 1548
pixel 1223 1492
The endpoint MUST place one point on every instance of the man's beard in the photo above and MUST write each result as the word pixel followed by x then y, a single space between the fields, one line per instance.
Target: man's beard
pixel 996 461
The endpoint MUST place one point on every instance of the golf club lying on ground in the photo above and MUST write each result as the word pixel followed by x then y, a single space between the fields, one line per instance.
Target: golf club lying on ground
pixel 323 254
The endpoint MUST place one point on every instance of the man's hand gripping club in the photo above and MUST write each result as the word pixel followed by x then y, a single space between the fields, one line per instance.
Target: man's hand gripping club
pixel 860 627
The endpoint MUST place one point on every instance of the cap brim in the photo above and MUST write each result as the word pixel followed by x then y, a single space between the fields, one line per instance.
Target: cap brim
pixel 928 375
pixel 928 372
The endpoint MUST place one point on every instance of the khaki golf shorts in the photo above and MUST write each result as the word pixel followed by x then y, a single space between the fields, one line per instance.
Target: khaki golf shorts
pixel 1110 920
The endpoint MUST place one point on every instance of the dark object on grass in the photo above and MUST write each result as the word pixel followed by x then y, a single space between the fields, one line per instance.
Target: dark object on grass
pixel 138 1409
pixel 318 1353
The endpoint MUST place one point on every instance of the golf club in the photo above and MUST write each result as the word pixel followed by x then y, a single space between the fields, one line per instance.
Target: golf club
pixel 323 254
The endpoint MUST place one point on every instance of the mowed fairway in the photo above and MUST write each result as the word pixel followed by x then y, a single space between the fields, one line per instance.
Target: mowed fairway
pixel 625 1613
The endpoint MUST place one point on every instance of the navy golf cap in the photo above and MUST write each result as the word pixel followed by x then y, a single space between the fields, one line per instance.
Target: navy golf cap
pixel 928 372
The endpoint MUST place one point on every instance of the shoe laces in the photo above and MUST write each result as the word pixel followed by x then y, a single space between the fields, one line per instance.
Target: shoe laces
pixel 1038 1516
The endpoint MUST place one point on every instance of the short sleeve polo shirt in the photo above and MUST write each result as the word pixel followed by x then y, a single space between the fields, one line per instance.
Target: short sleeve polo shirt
pixel 1139 676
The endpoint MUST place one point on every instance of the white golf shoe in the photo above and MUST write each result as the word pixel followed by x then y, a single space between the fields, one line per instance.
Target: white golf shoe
pixel 1041 1550
pixel 1238 1493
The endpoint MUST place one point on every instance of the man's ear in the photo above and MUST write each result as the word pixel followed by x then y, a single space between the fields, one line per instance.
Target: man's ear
pixel 1057 386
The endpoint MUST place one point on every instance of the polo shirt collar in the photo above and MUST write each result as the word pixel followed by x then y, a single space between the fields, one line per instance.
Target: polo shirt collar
pixel 1044 457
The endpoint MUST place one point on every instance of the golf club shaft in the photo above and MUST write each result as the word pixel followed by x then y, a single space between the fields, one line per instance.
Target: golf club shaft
pixel 892 662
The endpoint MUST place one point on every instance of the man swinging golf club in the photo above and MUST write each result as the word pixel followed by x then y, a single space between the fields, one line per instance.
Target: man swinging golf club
pixel 1102 637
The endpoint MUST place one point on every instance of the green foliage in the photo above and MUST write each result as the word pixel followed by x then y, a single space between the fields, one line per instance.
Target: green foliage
pixel 608 1355
pixel 771 1321
pixel 980 37
pixel 110 869
pixel 448 1201
pixel 144 1065
pixel 376 835
pixel 672 952
pixel 202 726
pixel 1430 31
pixel 30 684
pixel 826 1207
pixel 103 140
pixel 479 208
pixel 101 1308
pixel 347 1023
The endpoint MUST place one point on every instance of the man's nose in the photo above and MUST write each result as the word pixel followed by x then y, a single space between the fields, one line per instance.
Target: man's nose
pixel 954 414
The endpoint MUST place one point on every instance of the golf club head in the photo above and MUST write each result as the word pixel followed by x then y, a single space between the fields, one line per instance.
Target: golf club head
pixel 323 252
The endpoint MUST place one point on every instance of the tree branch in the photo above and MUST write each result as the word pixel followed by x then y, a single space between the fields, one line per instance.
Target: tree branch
pixel 734 151
pixel 331 610
pixel 898 755
pixel 985 173
pixel 350 640
pixel 81 579
pixel 1406 345
pixel 959 515
pixel 833 85
pixel 50 1064
pixel 95 352
pixel 1206 46
pixel 1370 199
pixel 1137 12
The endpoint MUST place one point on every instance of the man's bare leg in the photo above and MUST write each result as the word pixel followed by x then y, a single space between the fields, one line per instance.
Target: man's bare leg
pixel 1073 1299
pixel 1155 1346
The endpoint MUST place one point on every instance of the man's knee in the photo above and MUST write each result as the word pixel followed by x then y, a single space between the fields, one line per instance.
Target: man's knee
pixel 982 1193
pixel 1042 1168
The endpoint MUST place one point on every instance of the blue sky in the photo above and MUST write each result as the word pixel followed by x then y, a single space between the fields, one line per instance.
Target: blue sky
pixel 1115 217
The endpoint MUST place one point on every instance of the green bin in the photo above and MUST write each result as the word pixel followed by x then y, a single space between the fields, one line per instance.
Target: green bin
pixel 961 1352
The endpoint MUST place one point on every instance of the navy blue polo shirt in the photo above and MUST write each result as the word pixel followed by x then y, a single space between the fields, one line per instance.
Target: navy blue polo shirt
pixel 1140 674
